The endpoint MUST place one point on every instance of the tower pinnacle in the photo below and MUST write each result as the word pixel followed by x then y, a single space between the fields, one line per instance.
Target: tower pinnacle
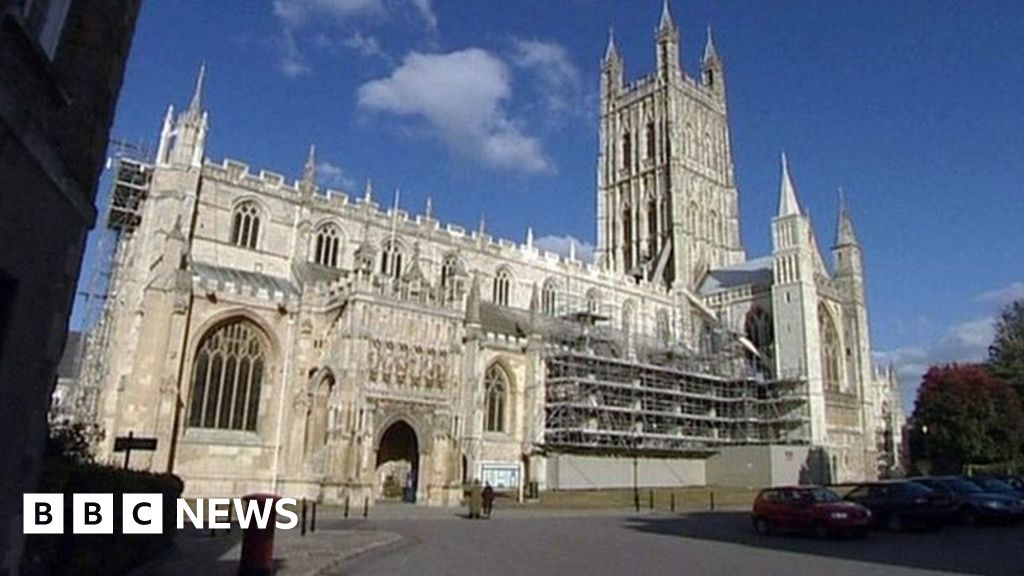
pixel 196 106
pixel 666 23
pixel 710 53
pixel 612 52
pixel 844 228
pixel 788 204
pixel 309 170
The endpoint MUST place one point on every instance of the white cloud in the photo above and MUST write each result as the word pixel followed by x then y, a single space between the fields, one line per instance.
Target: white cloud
pixel 966 342
pixel 363 44
pixel 560 245
pixel 426 12
pixel 297 12
pixel 334 176
pixel 1004 295
pixel 461 97
pixel 292 64
pixel 558 77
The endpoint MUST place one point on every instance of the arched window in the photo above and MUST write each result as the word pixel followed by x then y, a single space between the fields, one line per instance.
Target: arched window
pixel 391 260
pixel 829 349
pixel 627 152
pixel 327 251
pixel 593 301
pixel 245 225
pixel 663 326
pixel 759 330
pixel 227 377
pixel 496 387
pixel 449 270
pixel 549 298
pixel 628 318
pixel 627 238
pixel 502 287
pixel 651 149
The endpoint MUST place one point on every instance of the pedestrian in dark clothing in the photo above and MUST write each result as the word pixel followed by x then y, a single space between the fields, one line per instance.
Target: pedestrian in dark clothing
pixel 488 496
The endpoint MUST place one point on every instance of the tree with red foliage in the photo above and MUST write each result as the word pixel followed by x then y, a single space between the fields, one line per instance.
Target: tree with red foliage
pixel 965 415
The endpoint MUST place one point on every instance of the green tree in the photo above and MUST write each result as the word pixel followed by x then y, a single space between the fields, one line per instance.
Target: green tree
pixel 1006 354
pixel 965 415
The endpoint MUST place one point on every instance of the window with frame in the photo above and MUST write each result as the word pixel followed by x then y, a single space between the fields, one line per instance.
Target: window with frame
pixel 44 21
pixel 449 272
pixel 502 287
pixel 759 330
pixel 829 349
pixel 549 298
pixel 391 260
pixel 593 301
pixel 327 249
pixel 227 376
pixel 245 225
pixel 496 387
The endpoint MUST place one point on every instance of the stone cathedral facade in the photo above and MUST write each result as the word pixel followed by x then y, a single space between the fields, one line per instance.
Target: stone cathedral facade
pixel 275 335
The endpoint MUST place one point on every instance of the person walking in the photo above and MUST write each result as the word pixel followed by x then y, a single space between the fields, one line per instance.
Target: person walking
pixel 488 498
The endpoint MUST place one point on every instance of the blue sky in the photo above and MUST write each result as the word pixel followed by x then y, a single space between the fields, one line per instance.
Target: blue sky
pixel 915 108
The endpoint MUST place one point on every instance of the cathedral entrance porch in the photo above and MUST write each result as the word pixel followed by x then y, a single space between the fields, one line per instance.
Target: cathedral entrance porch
pixel 396 476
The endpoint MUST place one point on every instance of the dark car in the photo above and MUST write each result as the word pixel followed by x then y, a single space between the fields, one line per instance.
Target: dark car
pixel 996 485
pixel 810 509
pixel 1015 482
pixel 973 504
pixel 898 505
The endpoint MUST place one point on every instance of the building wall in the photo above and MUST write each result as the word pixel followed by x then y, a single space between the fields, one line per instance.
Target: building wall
pixel 577 472
pixel 57 98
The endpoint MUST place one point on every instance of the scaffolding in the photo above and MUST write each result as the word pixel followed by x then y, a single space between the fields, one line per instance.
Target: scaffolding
pixel 610 392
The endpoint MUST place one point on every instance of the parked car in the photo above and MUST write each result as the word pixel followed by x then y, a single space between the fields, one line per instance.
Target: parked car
pixel 973 504
pixel 1015 482
pixel 811 509
pixel 899 505
pixel 996 485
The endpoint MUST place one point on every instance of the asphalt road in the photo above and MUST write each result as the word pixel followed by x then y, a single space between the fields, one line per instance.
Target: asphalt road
pixel 541 543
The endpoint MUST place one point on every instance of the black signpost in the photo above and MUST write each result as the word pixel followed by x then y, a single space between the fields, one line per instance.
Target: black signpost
pixel 128 443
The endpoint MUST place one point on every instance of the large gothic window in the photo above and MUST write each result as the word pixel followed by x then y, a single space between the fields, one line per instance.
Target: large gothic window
pixel 549 298
pixel 327 251
pixel 496 388
pixel 651 147
pixel 759 330
pixel 829 349
pixel 627 152
pixel 245 225
pixel 391 260
pixel 627 238
pixel 663 326
pixel 502 287
pixel 227 377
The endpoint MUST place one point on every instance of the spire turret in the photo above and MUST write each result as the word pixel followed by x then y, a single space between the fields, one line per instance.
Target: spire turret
pixel 667 23
pixel 195 108
pixel 667 36
pixel 309 170
pixel 368 192
pixel 611 54
pixel 845 235
pixel 788 204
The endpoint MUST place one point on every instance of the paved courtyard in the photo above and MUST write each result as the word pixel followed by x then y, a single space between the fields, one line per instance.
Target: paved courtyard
pixel 603 542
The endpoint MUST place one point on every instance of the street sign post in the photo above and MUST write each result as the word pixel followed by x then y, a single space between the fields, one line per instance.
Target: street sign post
pixel 128 443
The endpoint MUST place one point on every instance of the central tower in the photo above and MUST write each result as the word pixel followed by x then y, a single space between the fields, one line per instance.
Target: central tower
pixel 667 204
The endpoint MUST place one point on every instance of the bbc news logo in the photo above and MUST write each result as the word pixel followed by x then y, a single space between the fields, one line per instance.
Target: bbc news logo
pixel 143 513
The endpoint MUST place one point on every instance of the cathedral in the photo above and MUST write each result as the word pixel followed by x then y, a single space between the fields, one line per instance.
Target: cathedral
pixel 274 335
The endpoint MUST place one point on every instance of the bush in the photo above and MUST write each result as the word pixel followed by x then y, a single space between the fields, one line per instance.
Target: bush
pixel 68 469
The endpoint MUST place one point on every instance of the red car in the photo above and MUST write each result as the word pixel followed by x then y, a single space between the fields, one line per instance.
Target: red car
pixel 812 509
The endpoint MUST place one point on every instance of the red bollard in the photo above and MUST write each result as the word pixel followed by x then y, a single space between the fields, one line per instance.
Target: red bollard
pixel 258 544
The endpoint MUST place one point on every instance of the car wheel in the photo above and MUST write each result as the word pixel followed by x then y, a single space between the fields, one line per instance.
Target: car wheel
pixel 894 522
pixel 762 526
pixel 820 530
pixel 968 516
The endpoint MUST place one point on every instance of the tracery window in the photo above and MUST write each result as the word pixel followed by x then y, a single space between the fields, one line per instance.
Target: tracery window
pixel 227 376
pixel 391 260
pixel 502 287
pixel 829 349
pixel 245 225
pixel 496 387
pixel 549 298
pixel 327 251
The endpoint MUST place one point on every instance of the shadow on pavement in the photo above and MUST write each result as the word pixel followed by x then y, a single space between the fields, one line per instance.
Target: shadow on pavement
pixel 987 551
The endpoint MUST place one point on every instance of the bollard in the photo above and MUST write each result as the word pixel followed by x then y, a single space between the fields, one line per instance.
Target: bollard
pixel 346 506
pixel 711 500
pixel 312 523
pixel 302 532
pixel 672 502
pixel 366 507
pixel 258 543
pixel 651 500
